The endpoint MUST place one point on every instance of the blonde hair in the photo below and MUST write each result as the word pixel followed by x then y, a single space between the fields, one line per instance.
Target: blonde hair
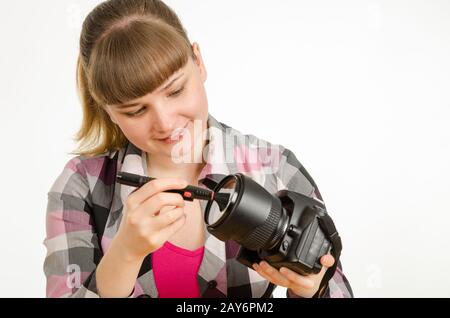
pixel 128 48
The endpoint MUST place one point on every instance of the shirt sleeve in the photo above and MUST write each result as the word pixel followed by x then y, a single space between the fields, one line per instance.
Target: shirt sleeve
pixel 72 244
pixel 294 177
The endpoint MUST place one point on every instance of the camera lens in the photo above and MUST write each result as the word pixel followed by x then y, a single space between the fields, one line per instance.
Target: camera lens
pixel 246 213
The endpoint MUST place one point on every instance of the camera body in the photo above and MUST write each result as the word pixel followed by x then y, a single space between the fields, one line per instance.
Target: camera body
pixel 303 241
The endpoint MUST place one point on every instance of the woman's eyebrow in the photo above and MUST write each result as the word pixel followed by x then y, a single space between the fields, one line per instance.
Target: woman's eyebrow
pixel 171 83
pixel 163 89
pixel 127 105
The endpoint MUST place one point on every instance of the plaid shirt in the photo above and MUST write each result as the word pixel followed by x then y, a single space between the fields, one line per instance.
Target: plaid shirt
pixel 85 208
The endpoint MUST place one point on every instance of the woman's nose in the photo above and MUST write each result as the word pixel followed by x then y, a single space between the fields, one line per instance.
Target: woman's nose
pixel 164 121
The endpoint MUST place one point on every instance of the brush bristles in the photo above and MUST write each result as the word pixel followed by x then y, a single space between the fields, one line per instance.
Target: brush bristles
pixel 222 199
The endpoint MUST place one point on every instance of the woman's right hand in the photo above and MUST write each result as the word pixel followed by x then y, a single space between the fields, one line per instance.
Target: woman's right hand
pixel 143 229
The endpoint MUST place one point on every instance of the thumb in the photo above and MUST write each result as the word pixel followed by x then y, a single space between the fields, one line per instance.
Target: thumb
pixel 327 260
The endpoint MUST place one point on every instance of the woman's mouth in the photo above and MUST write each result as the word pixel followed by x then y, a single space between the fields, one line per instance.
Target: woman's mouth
pixel 171 140
pixel 175 137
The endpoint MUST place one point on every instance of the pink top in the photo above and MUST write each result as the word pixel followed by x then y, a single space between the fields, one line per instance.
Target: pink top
pixel 175 271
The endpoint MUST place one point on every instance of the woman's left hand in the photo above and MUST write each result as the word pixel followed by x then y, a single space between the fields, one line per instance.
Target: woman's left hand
pixel 303 286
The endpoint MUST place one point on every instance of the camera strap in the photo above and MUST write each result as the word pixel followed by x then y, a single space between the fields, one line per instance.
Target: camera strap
pixel 327 225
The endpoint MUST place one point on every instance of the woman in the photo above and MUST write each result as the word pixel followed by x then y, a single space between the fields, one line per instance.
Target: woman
pixel 145 111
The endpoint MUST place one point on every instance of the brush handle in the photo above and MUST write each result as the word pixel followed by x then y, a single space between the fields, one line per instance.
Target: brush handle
pixel 189 193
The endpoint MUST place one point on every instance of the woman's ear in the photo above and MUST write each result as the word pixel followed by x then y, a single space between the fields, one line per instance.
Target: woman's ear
pixel 199 61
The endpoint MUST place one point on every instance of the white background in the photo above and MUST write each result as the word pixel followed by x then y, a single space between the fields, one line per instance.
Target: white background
pixel 359 90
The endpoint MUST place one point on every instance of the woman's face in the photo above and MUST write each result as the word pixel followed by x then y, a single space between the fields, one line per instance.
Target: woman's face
pixel 153 122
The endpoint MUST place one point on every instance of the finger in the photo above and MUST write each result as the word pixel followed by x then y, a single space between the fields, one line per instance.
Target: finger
pixel 327 260
pixel 274 275
pixel 155 204
pixel 297 279
pixel 151 188
pixel 169 217
pixel 258 269
pixel 167 208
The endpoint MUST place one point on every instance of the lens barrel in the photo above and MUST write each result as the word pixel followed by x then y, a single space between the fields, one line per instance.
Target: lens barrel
pixel 252 217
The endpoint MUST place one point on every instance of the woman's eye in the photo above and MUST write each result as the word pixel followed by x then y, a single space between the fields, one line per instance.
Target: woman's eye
pixel 135 114
pixel 139 112
pixel 176 93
